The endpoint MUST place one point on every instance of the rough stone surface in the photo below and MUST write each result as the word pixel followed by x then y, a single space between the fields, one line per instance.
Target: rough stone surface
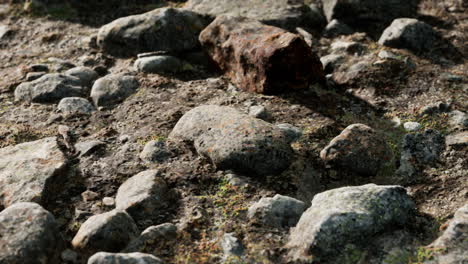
pixel 155 151
pixel 348 215
pixel 163 29
pixel 86 75
pixel 285 14
pixel 336 28
pixel 28 235
pixel 49 88
pixel 231 246
pixel 152 235
pixel 85 148
pixel 411 126
pixel 143 194
pixel 459 139
pixel 235 141
pixel 409 33
pixel 75 106
pixel 258 111
pixel 291 132
pixel 110 231
pixel 159 64
pixel 121 258
pixel 458 119
pixel 358 148
pixel 279 211
pixel 331 62
pixel 112 89
pixel 27 170
pixel 260 58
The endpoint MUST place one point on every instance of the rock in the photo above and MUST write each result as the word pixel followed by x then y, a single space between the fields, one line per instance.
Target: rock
pixel 231 246
pixel 34 76
pixel 348 215
pixel 458 119
pixel 236 180
pixel 435 108
pixel 159 64
pixel 358 148
pixel 279 211
pixel 109 231
pixel 350 47
pixel 331 62
pixel 409 33
pixel 86 75
pixel 152 235
pixel 260 58
pixel 49 88
pixel 75 106
pixel 38 68
pixel 163 29
pixel 385 54
pixel 28 171
pixel 4 31
pixel 235 141
pixel 29 235
pixel 155 151
pixel 60 65
pixel 113 89
pixel 143 194
pixel 412 126
pixel 120 258
pixel 336 28
pixel 280 13
pixel 108 201
pixel 291 132
pixel 85 148
pixel 459 139
pixel 258 111
pixel 69 255
pixel 89 195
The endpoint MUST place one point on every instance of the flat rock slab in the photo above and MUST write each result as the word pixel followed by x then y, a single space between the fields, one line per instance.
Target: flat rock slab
pixel 27 170
pixel 163 29
pixel 29 233
pixel 121 258
pixel 260 58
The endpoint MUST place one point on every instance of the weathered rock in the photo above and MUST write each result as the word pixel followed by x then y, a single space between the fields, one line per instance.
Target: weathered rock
pixel 411 126
pixel 258 111
pixel 459 139
pixel 291 132
pixel 34 76
pixel 4 31
pixel 285 14
pixel 75 106
pixel 260 58
pixel 350 47
pixel 121 258
pixel 152 235
pixel 163 29
pixel 112 89
pixel 458 119
pixel 409 33
pixel 28 170
pixel 49 88
pixel 358 148
pixel 29 235
pixel 159 64
pixel 110 231
pixel 87 147
pixel 143 194
pixel 336 28
pixel 86 75
pixel 155 151
pixel 231 246
pixel 279 211
pixel 331 62
pixel 235 141
pixel 348 215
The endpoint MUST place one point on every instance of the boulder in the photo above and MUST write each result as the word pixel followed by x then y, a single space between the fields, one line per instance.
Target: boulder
pixel 348 215
pixel 29 235
pixel 120 258
pixel 152 235
pixel 86 75
pixel 260 58
pixel 28 170
pixel 113 89
pixel 279 211
pixel 75 106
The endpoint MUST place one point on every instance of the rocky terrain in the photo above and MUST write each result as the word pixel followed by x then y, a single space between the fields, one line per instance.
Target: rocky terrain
pixel 247 131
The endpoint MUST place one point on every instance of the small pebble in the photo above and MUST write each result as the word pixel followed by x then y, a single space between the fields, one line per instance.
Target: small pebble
pixel 108 201
pixel 412 126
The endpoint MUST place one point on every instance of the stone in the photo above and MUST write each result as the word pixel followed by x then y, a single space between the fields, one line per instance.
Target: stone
pixel 144 194
pixel 409 33
pixel 350 47
pixel 348 215
pixel 120 258
pixel 237 180
pixel 291 132
pixel 412 126
pixel 49 88
pixel 108 201
pixel 163 29
pixel 258 111
pixel 159 64
pixel 38 68
pixel 86 75
pixel 89 195
pixel 75 106
pixel 31 76
pixel 152 235
pixel 235 141
pixel 458 119
pixel 385 54
pixel 285 14
pixel 4 31
pixel 231 246
pixel 59 65
pixel 331 62
pixel 29 170
pixel 360 149
pixel 87 147
pixel 113 89
pixel 110 232
pixel 459 139
pixel 260 58
pixel 155 151
pixel 336 28
pixel 29 233
pixel 435 108
pixel 279 211
pixel 69 255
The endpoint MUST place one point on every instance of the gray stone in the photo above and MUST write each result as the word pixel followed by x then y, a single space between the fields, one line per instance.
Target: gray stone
pixel 121 258
pixel 86 75
pixel 49 88
pixel 459 139
pixel 113 89
pixel 258 111
pixel 236 180
pixel 143 194
pixel 349 47
pixel 4 30
pixel 85 148
pixel 458 119
pixel 75 106
pixel 69 255
pixel 163 29
pixel 59 65
pixel 235 141
pixel 412 126
pixel 110 231
pixel 385 54
pixel 159 64
pixel 291 132
pixel 29 235
pixel 28 170
pixel 348 215
pixel 155 151
pixel 331 62
pixel 231 246
pixel 152 235
pixel 31 76
pixel 360 149
pixel 279 211
pixel 108 201
pixel 409 33
pixel 336 28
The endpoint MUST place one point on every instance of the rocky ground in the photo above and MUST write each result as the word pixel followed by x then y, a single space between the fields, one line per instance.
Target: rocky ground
pixel 285 132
